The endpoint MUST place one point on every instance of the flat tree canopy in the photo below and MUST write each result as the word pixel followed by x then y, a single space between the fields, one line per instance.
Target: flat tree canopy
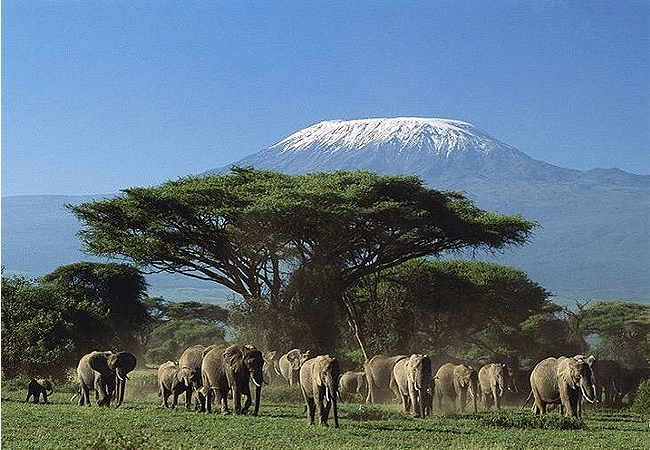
pixel 253 230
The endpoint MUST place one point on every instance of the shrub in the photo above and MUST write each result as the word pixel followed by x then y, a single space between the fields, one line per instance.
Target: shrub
pixel 642 401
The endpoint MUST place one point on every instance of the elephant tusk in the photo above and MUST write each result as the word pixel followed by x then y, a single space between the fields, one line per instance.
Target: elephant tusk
pixel 327 395
pixel 256 383
pixel 584 394
pixel 119 377
pixel 415 385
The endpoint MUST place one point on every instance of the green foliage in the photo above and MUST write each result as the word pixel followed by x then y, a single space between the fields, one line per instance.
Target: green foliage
pixel 623 330
pixel 642 401
pixel 41 328
pixel 433 304
pixel 169 339
pixel 548 332
pixel 48 324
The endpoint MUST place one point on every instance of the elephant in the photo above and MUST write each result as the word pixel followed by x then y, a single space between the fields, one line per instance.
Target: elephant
pixel 627 382
pixel 562 381
pixel 454 381
pixel 38 387
pixel 354 383
pixel 271 367
pixel 191 359
pixel 494 379
pixel 605 372
pixel 289 365
pixel 225 368
pixel 104 372
pixel 319 380
pixel 379 375
pixel 173 380
pixel 414 382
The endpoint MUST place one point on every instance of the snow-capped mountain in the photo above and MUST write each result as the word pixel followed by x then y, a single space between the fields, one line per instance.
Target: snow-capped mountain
pixel 439 148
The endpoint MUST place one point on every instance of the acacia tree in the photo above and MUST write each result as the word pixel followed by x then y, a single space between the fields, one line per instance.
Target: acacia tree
pixel 622 328
pixel 425 304
pixel 261 233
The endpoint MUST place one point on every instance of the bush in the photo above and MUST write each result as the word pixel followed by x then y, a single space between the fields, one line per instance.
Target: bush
pixel 642 401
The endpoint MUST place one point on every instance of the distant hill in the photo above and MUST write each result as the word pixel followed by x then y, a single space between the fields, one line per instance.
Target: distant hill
pixel 593 243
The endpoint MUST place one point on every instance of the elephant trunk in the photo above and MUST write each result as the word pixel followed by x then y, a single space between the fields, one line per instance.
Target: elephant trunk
pixel 258 392
pixel 336 411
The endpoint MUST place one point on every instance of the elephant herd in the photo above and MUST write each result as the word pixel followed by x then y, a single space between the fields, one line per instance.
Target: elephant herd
pixel 412 380
pixel 211 374
pixel 420 382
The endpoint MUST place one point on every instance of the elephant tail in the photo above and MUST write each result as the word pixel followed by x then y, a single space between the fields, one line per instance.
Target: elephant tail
pixel 530 395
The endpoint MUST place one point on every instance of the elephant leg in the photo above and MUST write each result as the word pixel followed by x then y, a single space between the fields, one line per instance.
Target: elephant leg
pixel 174 399
pixel 247 403
pixel 311 410
pixel 405 403
pixel 463 401
pixel 326 413
pixel 209 395
pixel 224 401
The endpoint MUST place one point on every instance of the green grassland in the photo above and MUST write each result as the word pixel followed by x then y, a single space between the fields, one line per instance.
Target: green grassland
pixel 141 423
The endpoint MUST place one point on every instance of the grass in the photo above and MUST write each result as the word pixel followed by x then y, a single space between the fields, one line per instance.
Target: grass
pixel 142 424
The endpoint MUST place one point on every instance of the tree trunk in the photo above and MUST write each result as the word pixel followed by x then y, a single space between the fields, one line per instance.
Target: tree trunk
pixel 353 321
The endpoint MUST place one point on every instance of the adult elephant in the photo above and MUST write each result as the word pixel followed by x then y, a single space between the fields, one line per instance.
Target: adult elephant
pixel 38 387
pixel 627 382
pixel 354 383
pixel 379 375
pixel 271 367
pixel 191 359
pixel 414 379
pixel 494 379
pixel 104 372
pixel 562 381
pixel 172 380
pixel 455 381
pixel 319 383
pixel 289 365
pixel 605 372
pixel 225 368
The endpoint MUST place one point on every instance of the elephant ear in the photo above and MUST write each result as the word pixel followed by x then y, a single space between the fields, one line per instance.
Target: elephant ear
pixel 99 362
pixel 126 361
pixel 234 357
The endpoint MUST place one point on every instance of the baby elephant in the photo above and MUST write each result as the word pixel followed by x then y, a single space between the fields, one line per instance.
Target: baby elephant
pixel 172 380
pixel 37 387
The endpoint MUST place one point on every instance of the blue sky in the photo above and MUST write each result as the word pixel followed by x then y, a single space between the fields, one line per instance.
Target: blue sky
pixel 102 95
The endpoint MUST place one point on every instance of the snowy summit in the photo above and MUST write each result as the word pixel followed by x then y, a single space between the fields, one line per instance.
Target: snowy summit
pixel 443 150
pixel 433 136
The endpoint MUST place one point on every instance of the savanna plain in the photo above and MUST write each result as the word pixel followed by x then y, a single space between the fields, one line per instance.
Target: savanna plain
pixel 142 423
